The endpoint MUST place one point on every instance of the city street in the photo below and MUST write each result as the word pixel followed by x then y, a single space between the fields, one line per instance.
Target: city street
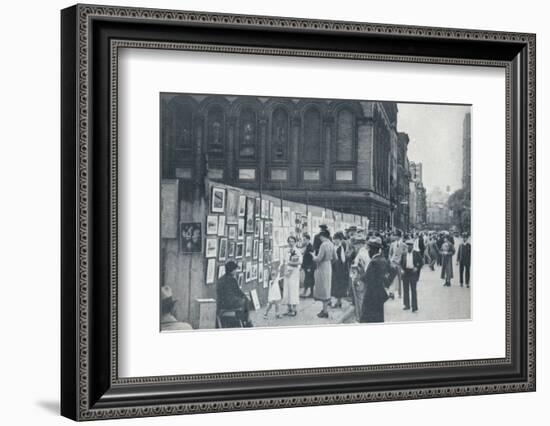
pixel 435 303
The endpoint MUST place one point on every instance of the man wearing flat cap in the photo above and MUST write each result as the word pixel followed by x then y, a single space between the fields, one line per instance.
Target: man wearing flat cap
pixel 230 296
pixel 411 263
pixel 375 279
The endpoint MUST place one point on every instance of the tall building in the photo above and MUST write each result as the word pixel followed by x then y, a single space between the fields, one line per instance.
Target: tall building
pixel 466 152
pixel 403 177
pixel 336 153
pixel 417 196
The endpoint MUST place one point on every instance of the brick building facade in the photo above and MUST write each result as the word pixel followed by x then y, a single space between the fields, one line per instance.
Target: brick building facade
pixel 345 155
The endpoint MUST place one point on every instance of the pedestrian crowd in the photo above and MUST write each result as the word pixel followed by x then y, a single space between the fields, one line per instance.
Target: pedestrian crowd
pixel 365 267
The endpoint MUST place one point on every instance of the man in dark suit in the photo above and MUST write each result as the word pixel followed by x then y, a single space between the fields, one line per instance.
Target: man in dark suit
pixel 411 263
pixel 230 296
pixel 375 279
pixel 463 259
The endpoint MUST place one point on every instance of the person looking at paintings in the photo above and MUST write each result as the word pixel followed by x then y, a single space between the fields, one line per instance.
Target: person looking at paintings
pixel 230 297
pixel 317 238
pixel 340 270
pixel 291 284
pixel 375 279
pixel 323 272
pixel 308 265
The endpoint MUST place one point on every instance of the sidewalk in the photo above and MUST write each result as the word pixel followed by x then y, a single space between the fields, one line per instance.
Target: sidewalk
pixel 435 303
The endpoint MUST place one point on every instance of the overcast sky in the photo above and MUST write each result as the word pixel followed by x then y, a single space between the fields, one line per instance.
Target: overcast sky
pixel 435 133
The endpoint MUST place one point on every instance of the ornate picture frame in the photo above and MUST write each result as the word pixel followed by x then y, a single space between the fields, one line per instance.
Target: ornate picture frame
pixel 91 37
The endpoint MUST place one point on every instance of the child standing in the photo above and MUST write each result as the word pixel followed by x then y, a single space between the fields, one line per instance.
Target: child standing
pixel 274 294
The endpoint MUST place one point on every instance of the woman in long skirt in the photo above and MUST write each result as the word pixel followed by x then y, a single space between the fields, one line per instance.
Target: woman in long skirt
pixel 340 271
pixel 291 284
pixel 447 251
pixel 323 272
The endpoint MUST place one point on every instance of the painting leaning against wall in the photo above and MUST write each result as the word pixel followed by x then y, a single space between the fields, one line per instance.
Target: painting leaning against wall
pixel 281 212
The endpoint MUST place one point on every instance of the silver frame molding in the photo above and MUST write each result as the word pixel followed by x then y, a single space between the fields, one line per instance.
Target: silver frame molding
pixel 91 387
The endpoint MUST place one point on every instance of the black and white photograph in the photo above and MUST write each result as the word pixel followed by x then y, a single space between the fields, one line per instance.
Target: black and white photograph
pixel 370 203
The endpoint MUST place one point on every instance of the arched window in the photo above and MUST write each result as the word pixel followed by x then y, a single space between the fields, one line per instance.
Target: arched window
pixel 279 135
pixel 215 134
pixel 183 125
pixel 344 136
pixel 247 134
pixel 311 149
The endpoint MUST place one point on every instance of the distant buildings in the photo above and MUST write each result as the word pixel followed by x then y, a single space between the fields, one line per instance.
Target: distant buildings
pixel 438 214
pixel 417 197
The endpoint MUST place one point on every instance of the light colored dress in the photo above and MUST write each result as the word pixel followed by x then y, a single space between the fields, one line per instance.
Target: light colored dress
pixel 274 294
pixel 323 272
pixel 291 286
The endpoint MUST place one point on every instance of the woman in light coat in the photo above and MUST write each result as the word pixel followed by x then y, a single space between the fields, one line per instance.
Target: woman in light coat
pixel 323 273
pixel 291 284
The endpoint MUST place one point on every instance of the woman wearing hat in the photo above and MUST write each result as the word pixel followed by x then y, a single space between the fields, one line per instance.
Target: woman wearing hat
pixel 291 284
pixel 323 272
pixel 340 270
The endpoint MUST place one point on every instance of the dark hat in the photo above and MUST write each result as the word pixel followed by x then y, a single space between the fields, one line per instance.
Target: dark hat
pixel 339 236
pixel 323 226
pixel 230 266
pixel 324 233
pixel 375 242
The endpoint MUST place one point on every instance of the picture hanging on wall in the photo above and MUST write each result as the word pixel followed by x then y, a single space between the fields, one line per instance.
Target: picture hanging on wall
pixel 286 216
pixel 211 225
pixel 257 228
pixel 250 203
pixel 211 271
pixel 231 249
pixel 221 226
pixel 211 247
pixel 239 250
pixel 218 200
pixel 248 247
pixel 242 205
pixel 240 280
pixel 232 232
pixel 240 230
pixel 232 206
pixel 258 207
pixel 223 250
pixel 190 237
